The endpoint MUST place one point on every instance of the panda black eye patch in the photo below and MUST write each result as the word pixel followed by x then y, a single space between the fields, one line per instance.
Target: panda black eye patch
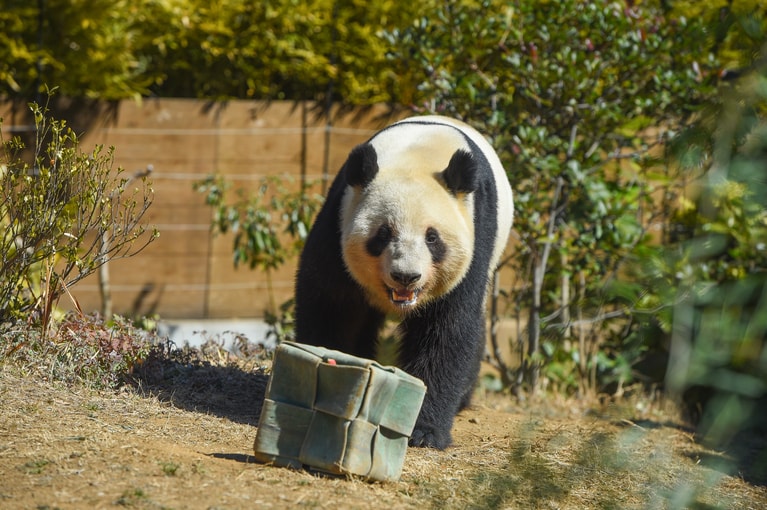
pixel 378 243
pixel 436 246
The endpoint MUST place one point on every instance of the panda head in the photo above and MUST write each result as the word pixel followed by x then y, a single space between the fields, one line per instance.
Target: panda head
pixel 407 220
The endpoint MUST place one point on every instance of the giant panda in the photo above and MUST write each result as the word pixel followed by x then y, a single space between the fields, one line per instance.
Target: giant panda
pixel 413 227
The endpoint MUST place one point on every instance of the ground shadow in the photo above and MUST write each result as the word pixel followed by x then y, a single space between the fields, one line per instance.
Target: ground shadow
pixel 238 457
pixel 203 381
pixel 744 456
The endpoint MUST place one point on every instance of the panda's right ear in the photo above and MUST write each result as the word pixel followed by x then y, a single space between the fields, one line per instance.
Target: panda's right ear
pixel 361 166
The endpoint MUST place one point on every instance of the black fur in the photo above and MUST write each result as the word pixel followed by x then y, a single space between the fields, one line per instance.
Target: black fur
pixel 331 309
pixel 362 166
pixel 443 341
pixel 378 243
pixel 461 174
pixel 436 245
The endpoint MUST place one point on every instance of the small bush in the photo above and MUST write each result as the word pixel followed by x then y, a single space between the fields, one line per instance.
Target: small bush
pixel 269 228
pixel 86 350
pixel 63 214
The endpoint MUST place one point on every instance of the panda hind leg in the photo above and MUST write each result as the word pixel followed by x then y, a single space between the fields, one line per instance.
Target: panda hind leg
pixel 472 386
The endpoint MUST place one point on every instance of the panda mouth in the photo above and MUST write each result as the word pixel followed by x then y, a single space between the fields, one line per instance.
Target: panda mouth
pixel 404 297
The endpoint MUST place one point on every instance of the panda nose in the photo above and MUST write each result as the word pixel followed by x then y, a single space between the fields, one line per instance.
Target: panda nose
pixel 405 278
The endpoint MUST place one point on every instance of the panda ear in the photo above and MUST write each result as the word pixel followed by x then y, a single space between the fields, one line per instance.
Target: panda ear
pixel 461 173
pixel 361 166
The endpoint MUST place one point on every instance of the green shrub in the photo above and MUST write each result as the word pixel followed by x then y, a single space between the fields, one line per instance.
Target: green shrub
pixel 63 214
pixel 567 91
pixel 268 227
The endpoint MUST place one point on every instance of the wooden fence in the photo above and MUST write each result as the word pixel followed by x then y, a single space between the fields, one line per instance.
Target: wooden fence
pixel 188 272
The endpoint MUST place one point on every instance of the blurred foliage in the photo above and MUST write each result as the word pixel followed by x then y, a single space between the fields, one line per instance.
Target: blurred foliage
pixel 735 28
pixel 268 50
pixel 716 270
pixel 85 48
pixel 281 49
pixel 194 48
pixel 62 216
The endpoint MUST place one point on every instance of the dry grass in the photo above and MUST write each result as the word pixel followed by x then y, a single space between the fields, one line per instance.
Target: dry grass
pixel 181 437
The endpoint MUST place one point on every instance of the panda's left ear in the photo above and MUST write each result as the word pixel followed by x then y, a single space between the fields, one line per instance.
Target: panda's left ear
pixel 361 166
pixel 461 173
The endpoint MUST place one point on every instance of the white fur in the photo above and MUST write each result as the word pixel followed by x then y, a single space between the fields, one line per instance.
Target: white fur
pixel 408 195
pixel 502 187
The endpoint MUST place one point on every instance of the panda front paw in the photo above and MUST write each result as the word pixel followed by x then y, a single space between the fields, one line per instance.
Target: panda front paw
pixel 431 437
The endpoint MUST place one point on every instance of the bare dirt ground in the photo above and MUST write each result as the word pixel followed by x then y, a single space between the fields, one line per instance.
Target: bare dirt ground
pixel 182 438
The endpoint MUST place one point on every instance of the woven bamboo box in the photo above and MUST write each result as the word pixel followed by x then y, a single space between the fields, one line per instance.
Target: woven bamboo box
pixel 337 413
